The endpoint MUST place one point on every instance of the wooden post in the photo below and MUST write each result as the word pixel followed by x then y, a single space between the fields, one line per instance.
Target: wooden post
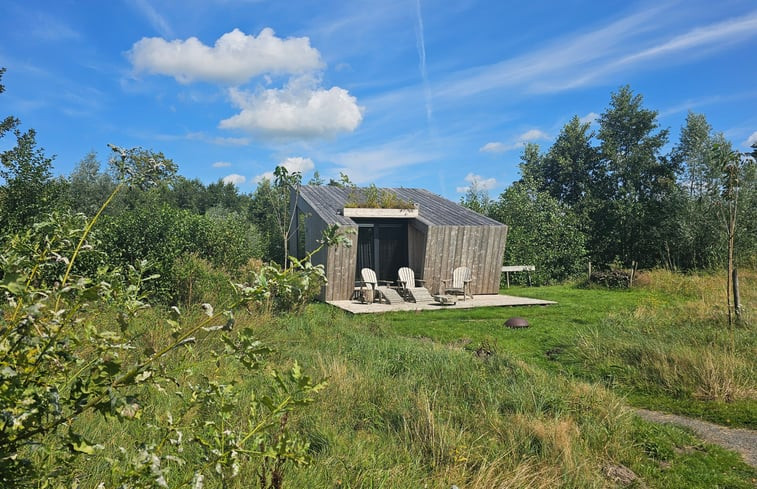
pixel 736 298
pixel 589 272
pixel 633 272
pixel 507 275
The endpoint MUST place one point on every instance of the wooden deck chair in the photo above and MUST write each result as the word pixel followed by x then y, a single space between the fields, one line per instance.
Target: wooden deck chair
pixel 377 289
pixel 411 287
pixel 460 282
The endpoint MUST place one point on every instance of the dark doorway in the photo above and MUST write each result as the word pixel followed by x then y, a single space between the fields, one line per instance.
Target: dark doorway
pixel 382 246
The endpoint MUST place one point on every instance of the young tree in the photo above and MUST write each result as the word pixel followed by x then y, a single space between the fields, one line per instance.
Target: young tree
pixel 699 241
pixel 633 221
pixel 272 210
pixel 88 187
pixel 737 175
pixel 569 170
pixel 477 198
pixel 693 154
pixel 28 189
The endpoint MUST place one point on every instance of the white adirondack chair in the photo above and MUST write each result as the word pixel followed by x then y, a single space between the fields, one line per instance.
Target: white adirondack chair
pixel 411 287
pixel 459 284
pixel 374 290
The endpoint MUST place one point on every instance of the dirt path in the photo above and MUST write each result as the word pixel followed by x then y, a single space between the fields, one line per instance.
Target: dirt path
pixel 741 440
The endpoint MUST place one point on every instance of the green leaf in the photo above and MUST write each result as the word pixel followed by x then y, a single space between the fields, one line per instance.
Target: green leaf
pixel 13 282
pixel 78 444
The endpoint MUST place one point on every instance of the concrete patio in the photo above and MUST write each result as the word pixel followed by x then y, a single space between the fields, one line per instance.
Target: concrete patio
pixel 356 307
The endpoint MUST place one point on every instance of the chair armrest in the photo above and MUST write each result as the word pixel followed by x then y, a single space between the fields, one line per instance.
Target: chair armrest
pixel 420 281
pixel 385 282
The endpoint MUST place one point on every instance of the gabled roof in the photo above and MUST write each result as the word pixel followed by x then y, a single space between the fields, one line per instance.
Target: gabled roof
pixel 328 202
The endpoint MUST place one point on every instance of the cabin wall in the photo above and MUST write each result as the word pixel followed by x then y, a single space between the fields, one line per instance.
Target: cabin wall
pixel 340 268
pixel 479 248
pixel 338 261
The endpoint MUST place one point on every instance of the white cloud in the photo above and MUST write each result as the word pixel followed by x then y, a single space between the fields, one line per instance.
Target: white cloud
pixel 300 109
pixel 221 164
pixel 292 164
pixel 532 135
pixel 694 42
pixel 477 182
pixel 731 30
pixel 235 57
pixel 235 179
pixel 201 136
pixel 751 139
pixel 493 147
pixel 589 118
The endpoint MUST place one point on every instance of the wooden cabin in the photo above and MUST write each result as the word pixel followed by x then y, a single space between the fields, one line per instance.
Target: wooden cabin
pixel 438 237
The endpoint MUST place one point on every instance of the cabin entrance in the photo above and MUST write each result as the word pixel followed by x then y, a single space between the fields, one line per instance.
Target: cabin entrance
pixel 382 246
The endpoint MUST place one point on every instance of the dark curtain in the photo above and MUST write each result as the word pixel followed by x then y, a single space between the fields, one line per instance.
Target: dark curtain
pixel 392 251
pixel 364 249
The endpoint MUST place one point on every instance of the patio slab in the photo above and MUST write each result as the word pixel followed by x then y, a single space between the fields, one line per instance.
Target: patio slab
pixel 356 307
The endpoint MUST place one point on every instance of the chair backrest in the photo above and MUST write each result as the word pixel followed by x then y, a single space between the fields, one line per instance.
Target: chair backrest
pixel 369 276
pixel 406 277
pixel 460 275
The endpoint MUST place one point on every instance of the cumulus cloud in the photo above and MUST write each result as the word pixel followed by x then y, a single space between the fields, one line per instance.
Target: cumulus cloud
pixel 532 135
pixel 477 182
pixel 221 164
pixel 301 109
pixel 235 179
pixel 493 147
pixel 235 57
pixel 589 118
pixel 752 139
pixel 292 164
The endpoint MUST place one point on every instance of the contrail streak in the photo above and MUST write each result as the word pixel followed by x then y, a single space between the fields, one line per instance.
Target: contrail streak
pixel 421 45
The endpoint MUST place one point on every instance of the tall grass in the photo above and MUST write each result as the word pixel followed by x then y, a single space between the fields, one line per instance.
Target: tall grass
pixel 683 349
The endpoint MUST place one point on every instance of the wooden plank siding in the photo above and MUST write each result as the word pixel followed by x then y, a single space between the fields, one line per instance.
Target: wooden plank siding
pixel 479 248
pixel 340 268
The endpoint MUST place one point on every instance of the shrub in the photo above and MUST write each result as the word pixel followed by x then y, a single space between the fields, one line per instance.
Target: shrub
pixel 60 363
pixel 542 232
pixel 163 235
pixel 196 281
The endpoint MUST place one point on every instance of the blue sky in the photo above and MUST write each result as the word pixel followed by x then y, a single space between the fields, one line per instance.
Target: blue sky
pixel 414 93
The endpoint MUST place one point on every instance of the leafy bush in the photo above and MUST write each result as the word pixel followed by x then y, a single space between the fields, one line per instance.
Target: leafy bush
pixel 542 232
pixel 197 281
pixel 60 363
pixel 163 235
pixel 275 289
